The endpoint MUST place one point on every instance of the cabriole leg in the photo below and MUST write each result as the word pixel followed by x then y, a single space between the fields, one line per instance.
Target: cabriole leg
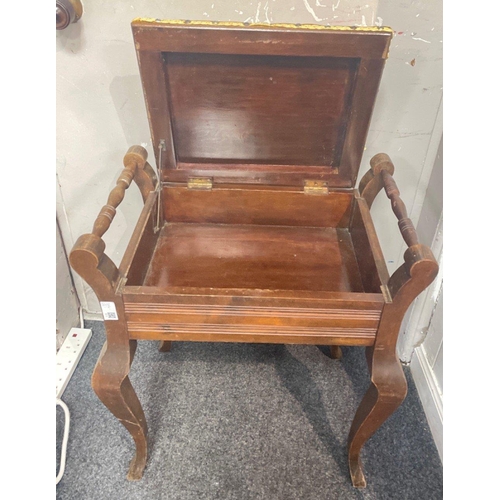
pixel 335 352
pixel 388 383
pixel 111 383
pixel 386 392
pixel 165 346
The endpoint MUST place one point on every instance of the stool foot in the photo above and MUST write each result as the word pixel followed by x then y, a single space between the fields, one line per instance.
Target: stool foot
pixel 165 346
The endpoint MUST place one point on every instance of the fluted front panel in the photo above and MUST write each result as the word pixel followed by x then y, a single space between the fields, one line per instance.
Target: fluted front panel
pixel 242 323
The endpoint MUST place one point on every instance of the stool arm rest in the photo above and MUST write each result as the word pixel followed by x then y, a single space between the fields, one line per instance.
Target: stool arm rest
pixel 420 267
pixel 378 177
pixel 87 256
pixel 135 166
pixel 414 275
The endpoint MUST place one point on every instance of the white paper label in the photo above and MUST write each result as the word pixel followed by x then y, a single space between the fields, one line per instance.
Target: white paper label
pixel 109 310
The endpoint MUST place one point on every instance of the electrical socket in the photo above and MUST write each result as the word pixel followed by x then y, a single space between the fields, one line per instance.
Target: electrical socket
pixel 68 356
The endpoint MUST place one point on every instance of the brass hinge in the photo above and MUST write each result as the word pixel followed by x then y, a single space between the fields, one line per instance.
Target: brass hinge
pixel 199 183
pixel 315 187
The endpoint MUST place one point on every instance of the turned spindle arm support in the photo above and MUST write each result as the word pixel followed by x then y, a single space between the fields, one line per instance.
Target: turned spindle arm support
pixel 87 256
pixel 420 267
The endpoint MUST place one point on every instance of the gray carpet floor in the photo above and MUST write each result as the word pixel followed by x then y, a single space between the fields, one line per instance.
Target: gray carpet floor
pixel 243 421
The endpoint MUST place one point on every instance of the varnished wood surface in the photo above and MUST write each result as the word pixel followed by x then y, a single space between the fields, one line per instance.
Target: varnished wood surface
pixel 135 262
pixel 252 334
pixel 399 208
pixel 259 175
pixel 110 378
pixel 264 257
pixel 134 160
pixel 388 383
pixel 165 346
pixel 253 109
pixel 363 99
pixel 155 85
pixel 195 296
pixel 371 263
pixel 260 105
pixel 268 316
pixel 335 352
pixel 256 205
pixel 380 176
pixel 260 40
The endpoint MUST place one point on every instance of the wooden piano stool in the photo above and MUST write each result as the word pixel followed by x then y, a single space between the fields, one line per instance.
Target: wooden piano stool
pixel 252 229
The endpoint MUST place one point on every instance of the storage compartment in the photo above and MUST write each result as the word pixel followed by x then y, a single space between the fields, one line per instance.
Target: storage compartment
pixel 255 238
pixel 248 256
pixel 212 273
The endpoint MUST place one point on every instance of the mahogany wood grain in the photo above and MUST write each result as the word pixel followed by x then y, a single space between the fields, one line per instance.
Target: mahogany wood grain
pixel 165 346
pixel 335 352
pixel 258 175
pixel 371 183
pixel 245 315
pixel 260 40
pixel 256 205
pixel 141 246
pixel 371 263
pixel 388 383
pixel 269 316
pixel 133 160
pixel 364 93
pixel 274 97
pixel 154 84
pixel 399 208
pixel 110 378
pixel 380 176
pixel 276 298
pixel 253 335
pixel 280 110
pixel 265 257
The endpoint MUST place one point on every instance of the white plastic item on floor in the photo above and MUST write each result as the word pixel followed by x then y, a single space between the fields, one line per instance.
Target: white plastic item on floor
pixel 65 439
pixel 68 356
pixel 66 360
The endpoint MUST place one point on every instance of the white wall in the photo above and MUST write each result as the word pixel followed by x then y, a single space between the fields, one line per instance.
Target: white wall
pixel 101 112
pixel 66 301
pixel 425 326
pixel 430 233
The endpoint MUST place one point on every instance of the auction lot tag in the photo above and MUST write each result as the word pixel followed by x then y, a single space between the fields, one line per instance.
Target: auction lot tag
pixel 109 310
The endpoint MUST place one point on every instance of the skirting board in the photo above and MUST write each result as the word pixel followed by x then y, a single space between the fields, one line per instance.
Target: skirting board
pixel 430 396
pixel 93 316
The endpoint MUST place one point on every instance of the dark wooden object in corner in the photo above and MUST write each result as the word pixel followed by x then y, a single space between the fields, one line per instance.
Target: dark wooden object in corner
pixel 255 232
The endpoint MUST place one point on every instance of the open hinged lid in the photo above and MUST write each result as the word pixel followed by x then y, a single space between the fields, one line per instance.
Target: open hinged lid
pixel 268 105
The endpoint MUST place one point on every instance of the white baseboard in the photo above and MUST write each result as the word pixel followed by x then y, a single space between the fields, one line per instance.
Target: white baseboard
pixel 430 395
pixel 93 316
